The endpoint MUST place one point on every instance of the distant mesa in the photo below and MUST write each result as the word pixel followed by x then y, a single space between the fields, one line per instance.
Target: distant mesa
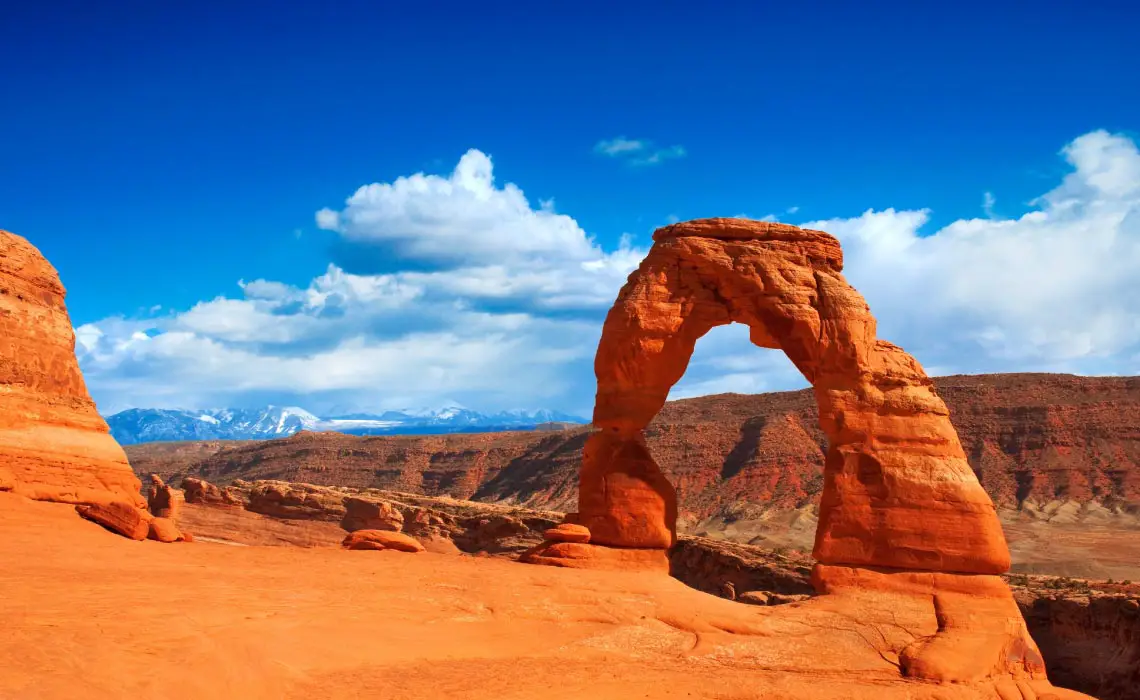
pixel 54 445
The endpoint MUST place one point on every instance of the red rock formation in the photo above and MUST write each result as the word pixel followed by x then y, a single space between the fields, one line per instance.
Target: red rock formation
pixel 118 516
pixel 53 442
pixel 371 514
pixel 203 492
pixel 577 555
pixel 567 532
pixel 164 530
pixel 382 539
pixel 898 491
pixel 162 501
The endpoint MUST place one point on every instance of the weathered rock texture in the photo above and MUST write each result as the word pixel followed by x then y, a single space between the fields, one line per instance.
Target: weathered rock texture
pixel 279 512
pixel 118 516
pixel 382 539
pixel 898 491
pixel 1090 652
pixel 162 501
pixel 1090 638
pixel 53 442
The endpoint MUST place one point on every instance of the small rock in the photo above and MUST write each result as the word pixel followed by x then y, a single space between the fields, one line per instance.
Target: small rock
pixel 381 539
pixel 118 516
pixel 727 590
pixel 785 598
pixel 164 530
pixel 568 532
pixel 753 598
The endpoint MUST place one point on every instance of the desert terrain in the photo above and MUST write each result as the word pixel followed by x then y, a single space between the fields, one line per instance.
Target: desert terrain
pixel 435 595
pixel 90 612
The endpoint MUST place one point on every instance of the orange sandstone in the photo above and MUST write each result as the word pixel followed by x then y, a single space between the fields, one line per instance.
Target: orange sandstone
pixel 53 443
pixel 898 491
pixel 118 516
pixel 382 539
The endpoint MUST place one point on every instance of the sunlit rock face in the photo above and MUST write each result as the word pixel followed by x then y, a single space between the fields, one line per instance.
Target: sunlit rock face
pixel 898 490
pixel 53 443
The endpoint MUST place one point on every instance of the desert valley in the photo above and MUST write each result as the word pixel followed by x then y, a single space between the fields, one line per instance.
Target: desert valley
pixel 847 541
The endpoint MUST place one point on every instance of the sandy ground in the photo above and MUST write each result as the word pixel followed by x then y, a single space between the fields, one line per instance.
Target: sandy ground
pixel 87 614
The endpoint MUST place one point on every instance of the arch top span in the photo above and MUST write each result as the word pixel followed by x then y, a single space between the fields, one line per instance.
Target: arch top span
pixel 898 491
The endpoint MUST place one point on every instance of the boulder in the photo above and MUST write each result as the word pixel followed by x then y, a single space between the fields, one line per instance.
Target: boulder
pixel 163 530
pixel 371 514
pixel 567 532
pixel 381 539
pixel 53 442
pixel 118 516
pixel 7 480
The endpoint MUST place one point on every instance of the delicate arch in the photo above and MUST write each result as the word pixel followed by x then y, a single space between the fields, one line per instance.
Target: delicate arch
pixel 898 491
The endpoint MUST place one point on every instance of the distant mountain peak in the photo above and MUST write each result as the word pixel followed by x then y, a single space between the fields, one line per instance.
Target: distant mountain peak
pixel 168 425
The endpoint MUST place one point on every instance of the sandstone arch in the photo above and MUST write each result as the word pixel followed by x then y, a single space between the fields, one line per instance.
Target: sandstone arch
pixel 898 491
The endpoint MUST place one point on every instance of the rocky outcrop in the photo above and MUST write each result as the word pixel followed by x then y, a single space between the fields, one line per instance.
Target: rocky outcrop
pixel 53 442
pixel 162 501
pixel 711 565
pixel 371 514
pixel 471 527
pixel 118 516
pixel 382 539
pixel 898 491
pixel 1090 637
pixel 203 492
pixel 164 530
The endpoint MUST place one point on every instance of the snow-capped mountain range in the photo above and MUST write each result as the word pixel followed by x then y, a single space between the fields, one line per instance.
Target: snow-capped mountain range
pixel 160 425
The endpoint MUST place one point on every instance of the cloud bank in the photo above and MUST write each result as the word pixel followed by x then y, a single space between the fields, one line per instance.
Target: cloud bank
pixel 497 303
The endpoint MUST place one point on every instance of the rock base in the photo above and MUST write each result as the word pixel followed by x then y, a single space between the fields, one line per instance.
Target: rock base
pixel 577 555
pixel 972 631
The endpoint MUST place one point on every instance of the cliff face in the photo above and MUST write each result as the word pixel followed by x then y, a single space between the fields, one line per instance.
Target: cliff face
pixel 1033 439
pixel 53 443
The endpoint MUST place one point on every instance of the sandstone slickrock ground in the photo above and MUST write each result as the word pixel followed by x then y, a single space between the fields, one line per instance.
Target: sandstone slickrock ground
pixel 284 622
pixel 53 443
pixel 1089 652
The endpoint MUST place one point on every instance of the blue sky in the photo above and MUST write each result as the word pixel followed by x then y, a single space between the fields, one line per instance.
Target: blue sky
pixel 161 153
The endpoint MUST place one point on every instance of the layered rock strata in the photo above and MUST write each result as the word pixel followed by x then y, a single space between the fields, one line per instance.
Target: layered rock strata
pixel 53 443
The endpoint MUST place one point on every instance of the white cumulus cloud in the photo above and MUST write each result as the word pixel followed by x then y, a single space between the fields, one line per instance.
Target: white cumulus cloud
pixel 508 308
pixel 1056 289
